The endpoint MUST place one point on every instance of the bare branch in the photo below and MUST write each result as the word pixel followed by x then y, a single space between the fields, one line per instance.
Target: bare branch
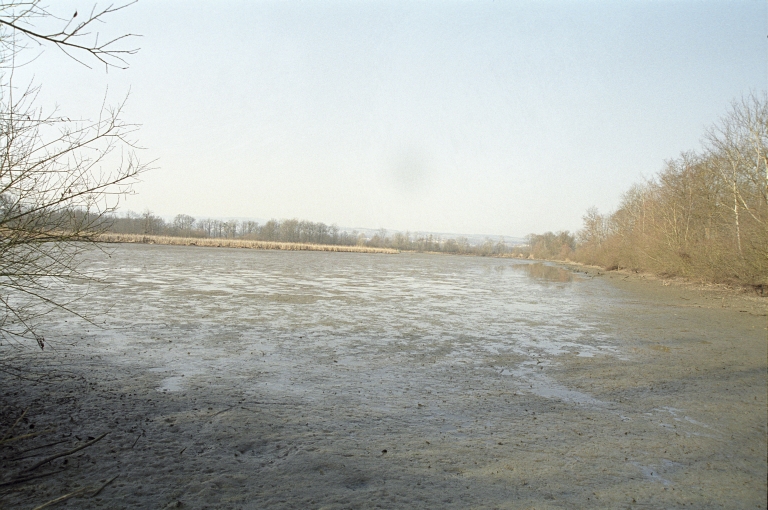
pixel 72 36
pixel 60 179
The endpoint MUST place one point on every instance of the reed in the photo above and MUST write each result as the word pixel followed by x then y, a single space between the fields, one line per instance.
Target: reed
pixel 235 243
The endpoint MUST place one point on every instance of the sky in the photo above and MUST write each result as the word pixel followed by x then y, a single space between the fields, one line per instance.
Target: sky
pixel 475 117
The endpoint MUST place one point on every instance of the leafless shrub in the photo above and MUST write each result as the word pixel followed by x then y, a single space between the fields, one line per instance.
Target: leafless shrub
pixel 59 178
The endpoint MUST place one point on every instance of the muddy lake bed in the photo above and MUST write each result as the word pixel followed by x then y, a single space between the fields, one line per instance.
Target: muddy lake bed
pixel 231 378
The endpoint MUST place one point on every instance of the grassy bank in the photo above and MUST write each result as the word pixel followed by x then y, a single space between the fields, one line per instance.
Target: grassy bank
pixel 235 243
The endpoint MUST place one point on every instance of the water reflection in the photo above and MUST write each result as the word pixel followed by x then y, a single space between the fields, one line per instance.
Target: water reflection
pixel 541 271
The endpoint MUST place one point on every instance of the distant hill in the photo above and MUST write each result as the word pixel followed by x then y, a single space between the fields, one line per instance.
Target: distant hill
pixel 474 239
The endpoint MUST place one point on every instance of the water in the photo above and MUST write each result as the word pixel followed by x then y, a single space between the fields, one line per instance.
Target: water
pixel 287 375
pixel 222 303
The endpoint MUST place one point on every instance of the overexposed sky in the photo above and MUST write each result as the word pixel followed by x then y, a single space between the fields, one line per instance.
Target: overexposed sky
pixel 500 118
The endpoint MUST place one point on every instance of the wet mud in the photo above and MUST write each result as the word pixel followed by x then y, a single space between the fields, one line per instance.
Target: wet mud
pixel 239 379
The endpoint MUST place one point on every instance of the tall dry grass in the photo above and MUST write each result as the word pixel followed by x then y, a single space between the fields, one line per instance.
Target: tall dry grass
pixel 235 243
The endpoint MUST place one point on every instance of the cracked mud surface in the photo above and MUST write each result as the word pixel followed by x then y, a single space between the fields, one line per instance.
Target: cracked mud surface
pixel 249 379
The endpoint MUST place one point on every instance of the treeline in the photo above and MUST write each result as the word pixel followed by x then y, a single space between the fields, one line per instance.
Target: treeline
pixel 704 216
pixel 301 231
pixel 550 245
pixel 183 225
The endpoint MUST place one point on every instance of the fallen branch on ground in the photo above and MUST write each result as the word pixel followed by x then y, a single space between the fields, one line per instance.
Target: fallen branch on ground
pixel 27 436
pixel 36 448
pixel 62 498
pixel 64 454
pixel 28 478
pixel 222 411
pixel 104 485
pixel 8 432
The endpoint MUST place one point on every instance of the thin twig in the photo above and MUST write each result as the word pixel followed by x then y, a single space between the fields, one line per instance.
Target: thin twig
pixel 268 404
pixel 8 432
pixel 222 411
pixel 27 436
pixel 104 485
pixel 62 498
pixel 137 440
pixel 37 448
pixel 64 454
pixel 28 478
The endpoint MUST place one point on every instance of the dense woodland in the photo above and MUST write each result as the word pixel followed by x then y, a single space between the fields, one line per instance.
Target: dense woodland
pixel 704 215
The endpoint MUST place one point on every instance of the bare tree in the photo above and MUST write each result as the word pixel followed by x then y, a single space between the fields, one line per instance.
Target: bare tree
pixel 740 142
pixel 595 229
pixel 183 224
pixel 705 215
pixel 230 228
pixel 59 179
pixel 249 228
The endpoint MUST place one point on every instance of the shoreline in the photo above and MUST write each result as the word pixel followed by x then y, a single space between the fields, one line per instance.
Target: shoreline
pixel 696 293
pixel 747 294
pixel 578 267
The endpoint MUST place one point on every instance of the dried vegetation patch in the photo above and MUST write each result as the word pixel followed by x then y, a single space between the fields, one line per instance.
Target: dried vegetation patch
pixel 236 243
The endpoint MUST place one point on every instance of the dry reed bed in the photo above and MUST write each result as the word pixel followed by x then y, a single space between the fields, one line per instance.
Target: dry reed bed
pixel 235 243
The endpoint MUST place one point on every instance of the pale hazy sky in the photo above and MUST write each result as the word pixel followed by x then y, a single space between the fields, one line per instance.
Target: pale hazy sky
pixel 500 118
